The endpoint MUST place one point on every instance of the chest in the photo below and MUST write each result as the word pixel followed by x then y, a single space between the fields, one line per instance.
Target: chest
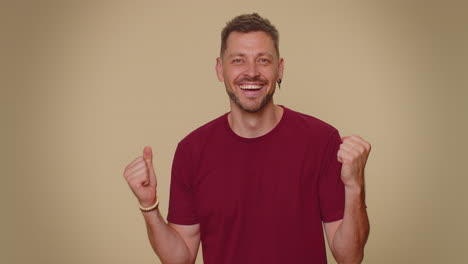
pixel 254 180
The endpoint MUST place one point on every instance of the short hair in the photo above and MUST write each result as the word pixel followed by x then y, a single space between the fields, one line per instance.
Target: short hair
pixel 249 23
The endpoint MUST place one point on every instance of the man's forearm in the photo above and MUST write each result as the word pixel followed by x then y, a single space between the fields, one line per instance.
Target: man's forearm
pixel 352 234
pixel 166 242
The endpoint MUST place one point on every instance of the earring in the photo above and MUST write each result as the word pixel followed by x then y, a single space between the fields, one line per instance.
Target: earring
pixel 279 83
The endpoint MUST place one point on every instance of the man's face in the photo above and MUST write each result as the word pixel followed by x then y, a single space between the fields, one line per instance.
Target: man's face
pixel 249 69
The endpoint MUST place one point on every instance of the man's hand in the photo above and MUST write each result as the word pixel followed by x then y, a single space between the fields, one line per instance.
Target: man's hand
pixel 141 178
pixel 353 155
pixel 172 243
pixel 348 236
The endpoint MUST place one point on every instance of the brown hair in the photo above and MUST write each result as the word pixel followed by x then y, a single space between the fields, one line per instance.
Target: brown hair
pixel 249 23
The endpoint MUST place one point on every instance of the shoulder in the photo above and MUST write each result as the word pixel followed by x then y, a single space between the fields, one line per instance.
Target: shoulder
pixel 204 132
pixel 316 132
pixel 309 124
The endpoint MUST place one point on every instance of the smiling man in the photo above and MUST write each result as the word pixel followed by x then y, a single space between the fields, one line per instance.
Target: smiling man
pixel 260 183
pixel 249 73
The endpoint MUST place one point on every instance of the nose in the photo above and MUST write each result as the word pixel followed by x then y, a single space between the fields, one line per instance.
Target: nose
pixel 252 70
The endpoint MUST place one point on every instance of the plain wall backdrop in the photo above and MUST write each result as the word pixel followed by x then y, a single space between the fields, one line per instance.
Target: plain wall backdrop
pixel 85 85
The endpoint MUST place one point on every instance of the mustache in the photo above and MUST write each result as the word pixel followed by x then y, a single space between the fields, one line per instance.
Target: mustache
pixel 254 79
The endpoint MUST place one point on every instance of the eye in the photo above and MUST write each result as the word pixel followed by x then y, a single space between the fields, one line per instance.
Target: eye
pixel 264 61
pixel 236 61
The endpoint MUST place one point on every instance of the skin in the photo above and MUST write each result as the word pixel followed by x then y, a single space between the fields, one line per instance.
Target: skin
pixel 348 236
pixel 172 243
pixel 250 58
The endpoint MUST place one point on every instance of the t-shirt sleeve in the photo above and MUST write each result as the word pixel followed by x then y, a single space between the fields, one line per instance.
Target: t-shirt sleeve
pixel 182 208
pixel 331 188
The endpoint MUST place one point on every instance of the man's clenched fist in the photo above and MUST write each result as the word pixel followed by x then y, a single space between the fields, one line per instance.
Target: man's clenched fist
pixel 141 178
pixel 353 155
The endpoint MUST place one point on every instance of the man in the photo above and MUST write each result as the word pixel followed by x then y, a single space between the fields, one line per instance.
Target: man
pixel 261 182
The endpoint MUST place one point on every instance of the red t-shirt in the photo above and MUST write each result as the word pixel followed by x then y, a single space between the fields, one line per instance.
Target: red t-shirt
pixel 259 200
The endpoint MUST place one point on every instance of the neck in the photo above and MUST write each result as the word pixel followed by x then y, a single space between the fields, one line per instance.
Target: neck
pixel 251 125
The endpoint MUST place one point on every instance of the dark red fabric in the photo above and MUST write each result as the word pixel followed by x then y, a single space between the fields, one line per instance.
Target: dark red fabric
pixel 259 200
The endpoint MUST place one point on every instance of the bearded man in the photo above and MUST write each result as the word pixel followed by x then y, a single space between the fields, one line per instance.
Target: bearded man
pixel 260 183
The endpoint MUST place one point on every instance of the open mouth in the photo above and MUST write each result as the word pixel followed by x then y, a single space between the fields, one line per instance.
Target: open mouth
pixel 250 87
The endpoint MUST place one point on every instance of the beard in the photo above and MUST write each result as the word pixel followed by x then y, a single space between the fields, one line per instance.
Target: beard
pixel 265 100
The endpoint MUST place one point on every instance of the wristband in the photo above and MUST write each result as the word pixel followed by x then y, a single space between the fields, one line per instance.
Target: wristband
pixel 148 209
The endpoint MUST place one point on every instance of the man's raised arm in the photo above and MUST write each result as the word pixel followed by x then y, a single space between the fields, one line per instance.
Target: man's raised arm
pixel 172 243
pixel 347 237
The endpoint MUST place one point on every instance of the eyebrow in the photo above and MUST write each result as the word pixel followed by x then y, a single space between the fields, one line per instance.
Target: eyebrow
pixel 239 54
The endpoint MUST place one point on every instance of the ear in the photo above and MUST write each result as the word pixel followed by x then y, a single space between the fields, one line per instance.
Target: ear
pixel 280 68
pixel 219 69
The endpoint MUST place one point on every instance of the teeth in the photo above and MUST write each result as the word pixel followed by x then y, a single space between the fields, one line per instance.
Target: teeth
pixel 250 87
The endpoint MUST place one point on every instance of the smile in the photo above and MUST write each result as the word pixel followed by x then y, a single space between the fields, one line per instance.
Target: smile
pixel 250 86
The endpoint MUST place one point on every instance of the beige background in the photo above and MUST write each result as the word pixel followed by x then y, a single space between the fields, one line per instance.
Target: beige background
pixel 85 85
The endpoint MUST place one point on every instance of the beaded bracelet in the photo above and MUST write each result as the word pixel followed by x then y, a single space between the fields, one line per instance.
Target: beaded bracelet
pixel 148 209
